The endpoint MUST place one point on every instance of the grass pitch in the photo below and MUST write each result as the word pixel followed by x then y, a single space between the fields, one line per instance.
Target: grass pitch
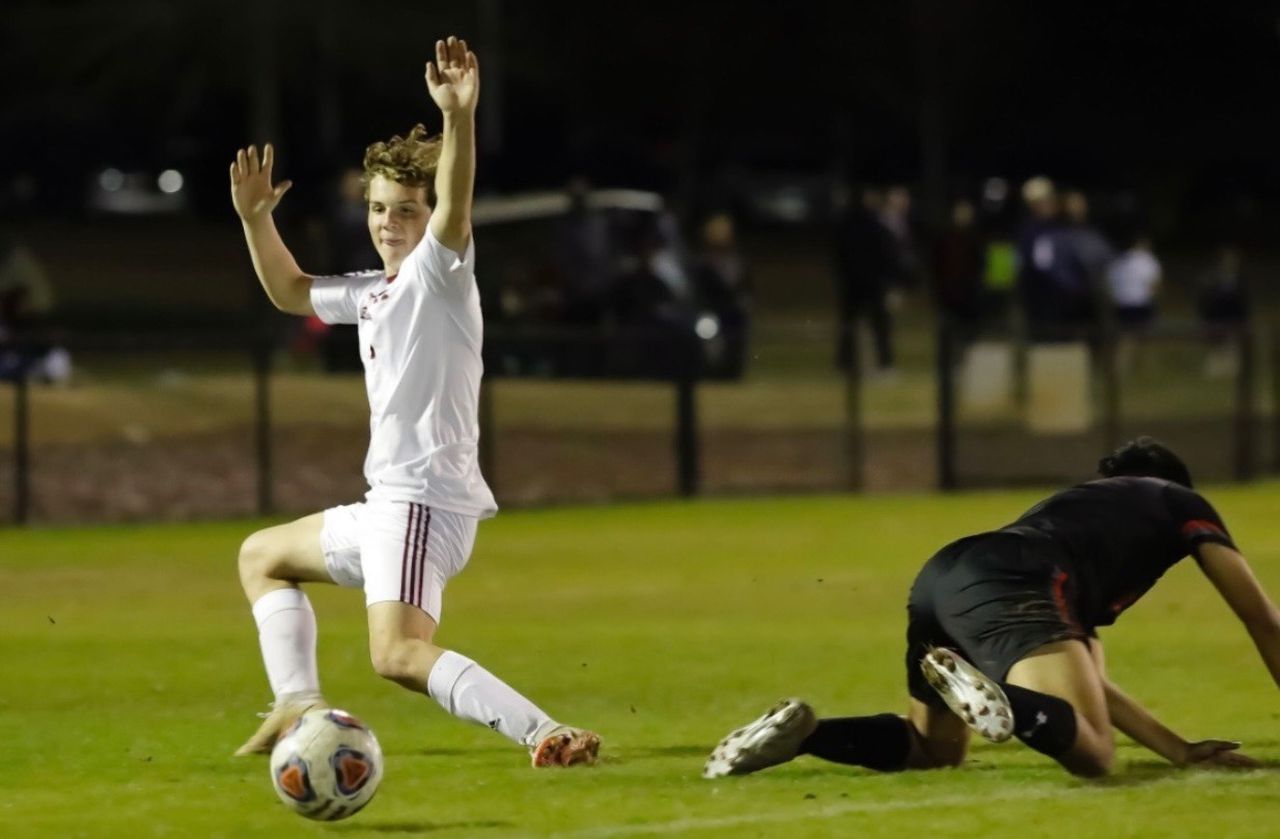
pixel 130 672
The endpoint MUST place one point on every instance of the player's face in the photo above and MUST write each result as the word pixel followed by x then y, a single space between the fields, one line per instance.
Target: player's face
pixel 397 219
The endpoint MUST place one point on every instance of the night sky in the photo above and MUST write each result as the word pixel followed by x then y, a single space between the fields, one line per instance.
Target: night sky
pixel 1105 95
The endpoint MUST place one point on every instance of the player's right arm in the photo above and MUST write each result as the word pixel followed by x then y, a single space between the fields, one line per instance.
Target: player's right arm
pixel 1234 580
pixel 254 198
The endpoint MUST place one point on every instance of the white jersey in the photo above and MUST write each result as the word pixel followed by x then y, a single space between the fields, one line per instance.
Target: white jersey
pixel 1133 277
pixel 420 338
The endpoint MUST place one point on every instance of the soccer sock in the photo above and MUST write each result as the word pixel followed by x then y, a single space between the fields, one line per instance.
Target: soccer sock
pixel 287 635
pixel 1045 723
pixel 469 692
pixel 882 742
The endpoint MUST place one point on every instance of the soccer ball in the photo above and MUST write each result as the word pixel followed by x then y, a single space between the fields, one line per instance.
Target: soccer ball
pixel 327 766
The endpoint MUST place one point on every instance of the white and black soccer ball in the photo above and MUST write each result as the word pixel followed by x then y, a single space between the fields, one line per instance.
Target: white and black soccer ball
pixel 327 766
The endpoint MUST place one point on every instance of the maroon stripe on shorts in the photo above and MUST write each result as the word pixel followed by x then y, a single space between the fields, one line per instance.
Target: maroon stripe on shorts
pixel 415 570
pixel 409 535
pixel 422 559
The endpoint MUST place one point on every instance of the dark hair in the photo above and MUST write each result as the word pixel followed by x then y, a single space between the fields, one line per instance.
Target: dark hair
pixel 1145 457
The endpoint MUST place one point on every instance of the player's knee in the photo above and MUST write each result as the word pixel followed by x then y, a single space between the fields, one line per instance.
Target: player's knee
pixel 1091 763
pixel 257 560
pixel 395 662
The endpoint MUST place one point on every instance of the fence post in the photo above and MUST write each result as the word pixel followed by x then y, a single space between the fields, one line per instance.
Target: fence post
pixel 687 466
pixel 946 432
pixel 21 448
pixel 1244 405
pixel 855 449
pixel 1109 346
pixel 261 352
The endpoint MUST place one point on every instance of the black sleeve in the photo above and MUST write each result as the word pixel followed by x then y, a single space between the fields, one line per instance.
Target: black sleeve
pixel 1195 518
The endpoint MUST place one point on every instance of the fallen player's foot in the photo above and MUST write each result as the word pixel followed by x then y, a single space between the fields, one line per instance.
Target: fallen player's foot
pixel 772 739
pixel 973 697
pixel 565 746
pixel 276 722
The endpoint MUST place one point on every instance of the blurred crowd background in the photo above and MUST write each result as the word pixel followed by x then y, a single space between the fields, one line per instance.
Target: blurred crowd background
pixel 722 247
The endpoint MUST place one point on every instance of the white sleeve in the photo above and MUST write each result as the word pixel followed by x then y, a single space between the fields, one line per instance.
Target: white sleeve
pixel 336 299
pixel 442 269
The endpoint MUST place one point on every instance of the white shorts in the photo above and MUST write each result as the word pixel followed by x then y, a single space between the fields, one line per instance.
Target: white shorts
pixel 396 550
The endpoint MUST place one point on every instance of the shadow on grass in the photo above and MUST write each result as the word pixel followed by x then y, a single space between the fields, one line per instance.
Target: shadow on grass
pixel 451 752
pixel 700 750
pixel 417 827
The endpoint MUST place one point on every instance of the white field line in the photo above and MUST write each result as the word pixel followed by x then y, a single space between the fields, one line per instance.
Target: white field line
pixel 835 810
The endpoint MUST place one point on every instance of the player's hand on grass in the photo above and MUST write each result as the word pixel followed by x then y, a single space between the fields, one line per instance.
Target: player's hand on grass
pixel 453 79
pixel 1218 753
pixel 252 194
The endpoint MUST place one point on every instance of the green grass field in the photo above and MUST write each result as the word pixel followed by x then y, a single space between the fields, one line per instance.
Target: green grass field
pixel 130 672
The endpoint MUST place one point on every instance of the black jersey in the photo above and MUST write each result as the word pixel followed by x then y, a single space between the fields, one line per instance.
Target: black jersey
pixel 1120 535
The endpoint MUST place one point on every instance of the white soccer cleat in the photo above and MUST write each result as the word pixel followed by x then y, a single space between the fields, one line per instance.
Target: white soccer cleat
pixel 566 746
pixel 973 697
pixel 772 739
pixel 276 722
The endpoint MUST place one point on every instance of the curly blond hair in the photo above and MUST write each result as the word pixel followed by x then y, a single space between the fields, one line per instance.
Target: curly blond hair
pixel 410 161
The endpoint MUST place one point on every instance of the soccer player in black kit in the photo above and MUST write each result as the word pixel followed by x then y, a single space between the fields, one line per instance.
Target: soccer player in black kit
pixel 1001 634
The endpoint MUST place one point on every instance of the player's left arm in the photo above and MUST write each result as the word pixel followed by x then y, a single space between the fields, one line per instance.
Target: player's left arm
pixel 453 80
pixel 1234 580
pixel 1131 718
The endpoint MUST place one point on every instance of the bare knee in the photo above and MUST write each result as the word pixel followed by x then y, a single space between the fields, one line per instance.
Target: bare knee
pixel 258 562
pixel 935 754
pixel 403 661
pixel 1094 762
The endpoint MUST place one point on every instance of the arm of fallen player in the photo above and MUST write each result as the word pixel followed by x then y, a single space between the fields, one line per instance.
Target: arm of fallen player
pixel 1131 718
pixel 1231 575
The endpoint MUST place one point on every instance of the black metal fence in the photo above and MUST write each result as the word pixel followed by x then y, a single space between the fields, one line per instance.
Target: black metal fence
pixel 703 442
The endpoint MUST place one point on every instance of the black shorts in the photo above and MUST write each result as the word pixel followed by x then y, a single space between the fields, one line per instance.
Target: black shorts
pixel 993 598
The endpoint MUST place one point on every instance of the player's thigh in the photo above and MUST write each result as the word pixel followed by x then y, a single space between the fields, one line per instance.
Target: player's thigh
pixel 943 737
pixel 289 552
pixel 1067 670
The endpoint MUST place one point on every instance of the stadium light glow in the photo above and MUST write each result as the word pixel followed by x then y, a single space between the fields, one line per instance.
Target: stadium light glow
pixel 170 181
pixel 111 180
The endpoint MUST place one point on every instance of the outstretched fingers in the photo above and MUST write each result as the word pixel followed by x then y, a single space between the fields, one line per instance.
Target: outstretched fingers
pixel 268 158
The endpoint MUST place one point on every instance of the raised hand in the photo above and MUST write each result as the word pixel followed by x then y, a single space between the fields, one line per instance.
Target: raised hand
pixel 1218 753
pixel 252 194
pixel 453 79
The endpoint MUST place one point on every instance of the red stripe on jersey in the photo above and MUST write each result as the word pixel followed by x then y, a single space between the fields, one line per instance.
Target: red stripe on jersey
pixel 1060 599
pixel 1200 527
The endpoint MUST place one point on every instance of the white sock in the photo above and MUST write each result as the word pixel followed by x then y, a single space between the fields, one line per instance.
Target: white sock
pixel 469 692
pixel 287 635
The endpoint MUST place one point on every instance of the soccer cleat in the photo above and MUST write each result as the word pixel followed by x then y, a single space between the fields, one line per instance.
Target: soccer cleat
pixel 772 739
pixel 275 723
pixel 565 746
pixel 973 697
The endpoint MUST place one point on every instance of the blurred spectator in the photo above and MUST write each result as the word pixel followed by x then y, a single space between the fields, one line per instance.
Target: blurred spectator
pixel 959 269
pixel 26 304
pixel 865 265
pixel 341 244
pixel 1132 279
pixel 1088 252
pixel 723 289
pixel 895 215
pixel 1054 286
pixel 646 289
pixel 582 253
pixel 1224 306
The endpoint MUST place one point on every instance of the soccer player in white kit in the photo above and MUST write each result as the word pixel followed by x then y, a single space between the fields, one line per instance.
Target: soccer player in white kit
pixel 420 333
